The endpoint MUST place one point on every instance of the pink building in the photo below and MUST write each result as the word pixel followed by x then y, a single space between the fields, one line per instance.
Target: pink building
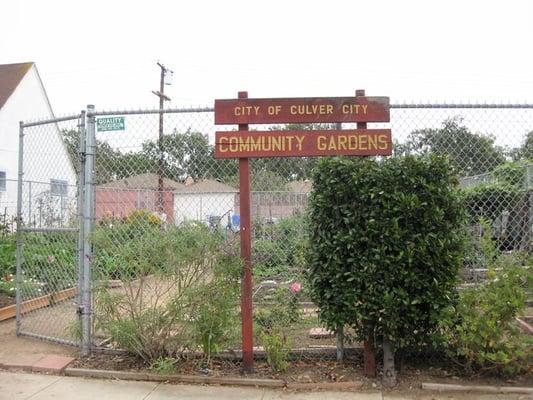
pixel 118 199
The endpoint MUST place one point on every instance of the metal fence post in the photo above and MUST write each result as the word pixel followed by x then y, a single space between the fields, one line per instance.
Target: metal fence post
pixel 81 195
pixel 30 199
pixel 88 208
pixel 18 295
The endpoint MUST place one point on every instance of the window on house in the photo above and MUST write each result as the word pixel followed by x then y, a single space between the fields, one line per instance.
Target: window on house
pixel 58 187
pixel 3 181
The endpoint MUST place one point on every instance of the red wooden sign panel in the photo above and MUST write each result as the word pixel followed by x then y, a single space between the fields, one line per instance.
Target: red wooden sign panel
pixel 300 143
pixel 302 110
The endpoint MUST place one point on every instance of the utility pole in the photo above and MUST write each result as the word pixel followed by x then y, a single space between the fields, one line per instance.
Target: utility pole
pixel 161 161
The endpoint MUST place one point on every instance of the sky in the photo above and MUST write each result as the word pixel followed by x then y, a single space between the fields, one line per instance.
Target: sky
pixel 104 52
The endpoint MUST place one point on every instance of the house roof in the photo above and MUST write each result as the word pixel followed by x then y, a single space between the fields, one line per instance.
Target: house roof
pixel 300 186
pixel 207 186
pixel 143 181
pixel 10 77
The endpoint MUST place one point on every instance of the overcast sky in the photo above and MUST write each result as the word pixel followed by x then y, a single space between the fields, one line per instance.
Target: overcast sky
pixel 104 52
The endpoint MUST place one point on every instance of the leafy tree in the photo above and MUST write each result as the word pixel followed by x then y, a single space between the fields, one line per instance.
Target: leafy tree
pixel 185 154
pixel 110 164
pixel 189 154
pixel 470 153
pixel 524 152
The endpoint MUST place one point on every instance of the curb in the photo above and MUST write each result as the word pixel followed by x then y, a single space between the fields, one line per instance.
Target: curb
pixel 326 386
pixel 449 387
pixel 143 376
pixel 208 380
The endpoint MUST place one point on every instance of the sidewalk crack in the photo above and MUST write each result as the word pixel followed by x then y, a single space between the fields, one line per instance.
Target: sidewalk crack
pixel 152 391
pixel 44 388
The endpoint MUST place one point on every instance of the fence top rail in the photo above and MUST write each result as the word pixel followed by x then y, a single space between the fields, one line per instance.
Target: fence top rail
pixel 397 106
pixel 211 109
pixel 464 105
pixel 151 111
pixel 50 120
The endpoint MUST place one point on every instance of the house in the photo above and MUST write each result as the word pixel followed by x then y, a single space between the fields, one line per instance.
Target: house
pixel 117 199
pixel 49 179
pixel 207 200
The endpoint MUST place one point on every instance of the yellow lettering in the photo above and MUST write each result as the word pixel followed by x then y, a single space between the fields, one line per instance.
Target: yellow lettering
pixel 329 109
pixel 352 142
pixel 264 142
pixel 289 142
pixel 277 143
pixel 363 141
pixel 365 106
pixel 372 142
pixel 300 140
pixel 237 111
pixel 244 145
pixel 320 142
pixel 342 142
pixel 332 144
pixel 233 144
pixel 221 147
pixel 345 109
pixel 256 109
pixel 293 109
pixel 383 142
pixel 255 145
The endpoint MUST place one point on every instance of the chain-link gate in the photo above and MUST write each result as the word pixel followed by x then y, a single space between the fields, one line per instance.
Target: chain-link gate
pixel 157 172
pixel 47 230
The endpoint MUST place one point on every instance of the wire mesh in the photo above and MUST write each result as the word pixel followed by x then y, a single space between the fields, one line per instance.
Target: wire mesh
pixel 49 231
pixel 159 172
pixel 170 171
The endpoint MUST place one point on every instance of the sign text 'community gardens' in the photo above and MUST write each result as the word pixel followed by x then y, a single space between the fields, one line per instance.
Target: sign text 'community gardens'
pixel 303 143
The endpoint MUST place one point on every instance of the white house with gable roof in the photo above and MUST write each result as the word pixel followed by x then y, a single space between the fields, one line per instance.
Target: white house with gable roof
pixel 52 176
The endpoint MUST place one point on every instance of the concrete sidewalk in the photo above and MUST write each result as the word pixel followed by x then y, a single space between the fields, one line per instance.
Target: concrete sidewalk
pixel 22 386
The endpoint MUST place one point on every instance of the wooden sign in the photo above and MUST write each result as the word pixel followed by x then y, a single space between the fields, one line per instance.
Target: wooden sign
pixel 243 144
pixel 303 143
pixel 302 110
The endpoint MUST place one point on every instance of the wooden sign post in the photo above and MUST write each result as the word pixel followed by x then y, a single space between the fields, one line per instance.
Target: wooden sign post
pixel 243 144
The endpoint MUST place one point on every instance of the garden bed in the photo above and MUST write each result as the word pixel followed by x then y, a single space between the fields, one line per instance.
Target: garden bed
pixel 10 310
pixel 307 370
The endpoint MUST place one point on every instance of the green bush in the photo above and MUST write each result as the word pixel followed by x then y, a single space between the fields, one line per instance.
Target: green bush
pixel 129 248
pixel 269 258
pixel 277 348
pixel 215 321
pixel 386 242
pixel 164 365
pixel 51 260
pixel 480 332
pixel 8 248
pixel 279 248
pixel 273 321
pixel 283 311
pixel 180 289
pixel 505 194
pixel 490 201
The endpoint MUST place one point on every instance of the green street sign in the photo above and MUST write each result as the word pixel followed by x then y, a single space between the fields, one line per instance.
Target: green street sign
pixel 110 124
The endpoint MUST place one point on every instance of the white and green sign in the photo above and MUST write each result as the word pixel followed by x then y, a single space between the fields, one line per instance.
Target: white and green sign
pixel 110 124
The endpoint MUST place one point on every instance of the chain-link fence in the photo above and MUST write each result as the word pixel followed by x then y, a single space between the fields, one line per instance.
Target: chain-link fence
pixel 157 174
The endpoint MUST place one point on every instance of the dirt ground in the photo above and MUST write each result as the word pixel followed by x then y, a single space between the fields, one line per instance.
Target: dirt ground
pixel 11 345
